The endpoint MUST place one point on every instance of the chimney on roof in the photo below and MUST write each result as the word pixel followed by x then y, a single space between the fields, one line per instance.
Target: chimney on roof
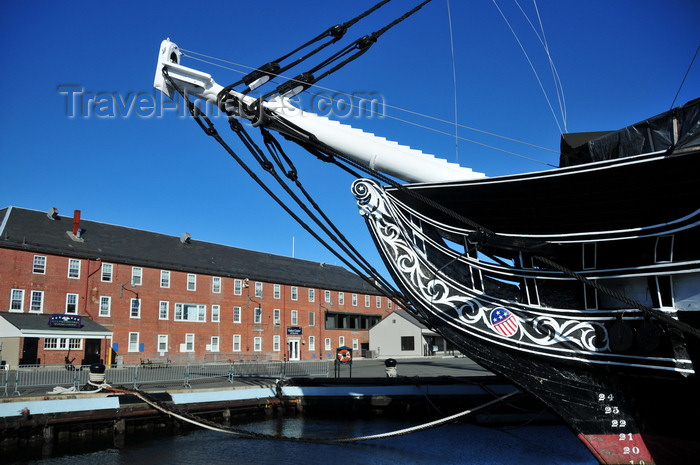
pixel 77 232
pixel 76 223
pixel 53 213
pixel 185 238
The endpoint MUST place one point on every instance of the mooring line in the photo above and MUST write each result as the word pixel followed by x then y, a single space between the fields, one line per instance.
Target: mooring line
pixel 195 420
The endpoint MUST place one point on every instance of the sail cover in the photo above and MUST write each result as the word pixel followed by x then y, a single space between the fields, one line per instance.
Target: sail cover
pixel 675 130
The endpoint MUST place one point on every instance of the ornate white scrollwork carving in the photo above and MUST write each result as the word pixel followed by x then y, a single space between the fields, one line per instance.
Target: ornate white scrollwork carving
pixel 446 300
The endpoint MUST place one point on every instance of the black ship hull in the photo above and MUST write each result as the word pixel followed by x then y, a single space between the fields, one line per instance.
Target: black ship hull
pixel 520 302
pixel 621 418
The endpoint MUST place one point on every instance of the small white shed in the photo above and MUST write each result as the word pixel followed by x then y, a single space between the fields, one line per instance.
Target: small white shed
pixel 399 334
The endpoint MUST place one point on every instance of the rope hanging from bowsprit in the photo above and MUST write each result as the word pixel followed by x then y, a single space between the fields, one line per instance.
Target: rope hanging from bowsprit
pixel 354 260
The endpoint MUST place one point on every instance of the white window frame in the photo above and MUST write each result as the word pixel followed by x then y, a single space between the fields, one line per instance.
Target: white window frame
pixel 327 296
pixel 17 300
pixel 237 287
pixel 32 301
pixel 276 316
pixel 276 343
pixel 162 343
pixel 341 298
pixel 72 299
pixel 39 264
pixel 73 268
pixel 214 344
pixel 105 306
pixel 368 301
pixel 135 308
pixel 312 318
pixel 191 282
pixel 106 272
pixel 341 341
pixel 277 292
pixel 163 310
pixel 215 313
pixel 258 289
pixel 294 318
pixel 236 343
pixel 133 345
pixel 379 301
pixel 188 345
pixel 257 344
pixel 257 315
pixel 165 279
pixel 312 295
pixel 355 344
pixel 62 343
pixel 354 300
pixel 312 342
pixel 216 285
pixel 196 313
pixel 295 293
pixel 327 344
pixel 237 314
pixel 136 276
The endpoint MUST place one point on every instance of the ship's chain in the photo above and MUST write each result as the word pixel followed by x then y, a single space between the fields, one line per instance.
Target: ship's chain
pixel 196 420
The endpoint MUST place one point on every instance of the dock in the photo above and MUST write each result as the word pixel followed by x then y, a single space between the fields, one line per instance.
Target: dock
pixel 425 388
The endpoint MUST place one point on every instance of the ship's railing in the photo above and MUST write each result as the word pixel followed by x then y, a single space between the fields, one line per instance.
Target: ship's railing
pixel 27 379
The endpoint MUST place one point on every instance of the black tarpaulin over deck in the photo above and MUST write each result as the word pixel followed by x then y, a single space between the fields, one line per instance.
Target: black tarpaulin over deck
pixel 651 135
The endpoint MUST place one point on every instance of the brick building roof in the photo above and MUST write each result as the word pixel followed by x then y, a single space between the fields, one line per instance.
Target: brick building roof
pixel 34 231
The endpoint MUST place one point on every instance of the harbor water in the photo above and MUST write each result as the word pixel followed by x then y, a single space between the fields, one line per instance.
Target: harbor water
pixel 457 443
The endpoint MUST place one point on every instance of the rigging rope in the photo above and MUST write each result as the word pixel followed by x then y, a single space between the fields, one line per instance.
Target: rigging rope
pixel 454 80
pixel 207 424
pixel 208 127
pixel 393 107
pixel 359 47
pixel 274 68
pixel 532 66
pixel 275 148
pixel 558 87
pixel 685 76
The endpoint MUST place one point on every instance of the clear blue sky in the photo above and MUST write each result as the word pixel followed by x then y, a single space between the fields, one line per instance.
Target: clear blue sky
pixel 619 61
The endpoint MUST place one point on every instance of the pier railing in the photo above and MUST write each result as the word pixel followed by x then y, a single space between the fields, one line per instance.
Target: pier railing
pixel 26 379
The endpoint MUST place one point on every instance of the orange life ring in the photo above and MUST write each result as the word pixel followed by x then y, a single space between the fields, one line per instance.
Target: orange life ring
pixel 344 356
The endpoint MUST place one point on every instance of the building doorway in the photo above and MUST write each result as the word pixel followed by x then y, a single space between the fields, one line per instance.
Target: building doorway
pixel 293 349
pixel 30 350
pixel 93 349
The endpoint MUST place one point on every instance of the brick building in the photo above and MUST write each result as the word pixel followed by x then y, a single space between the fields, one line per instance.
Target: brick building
pixel 122 295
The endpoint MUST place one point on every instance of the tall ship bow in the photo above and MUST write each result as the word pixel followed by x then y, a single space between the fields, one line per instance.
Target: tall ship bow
pixel 580 284
pixel 584 288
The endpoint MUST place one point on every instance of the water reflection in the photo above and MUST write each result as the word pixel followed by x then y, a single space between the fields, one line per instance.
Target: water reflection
pixel 458 443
